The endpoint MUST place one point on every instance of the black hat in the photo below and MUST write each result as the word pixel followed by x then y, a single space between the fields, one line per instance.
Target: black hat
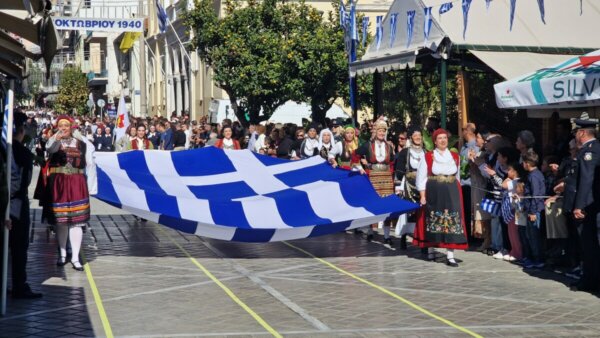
pixel 339 121
pixel 584 122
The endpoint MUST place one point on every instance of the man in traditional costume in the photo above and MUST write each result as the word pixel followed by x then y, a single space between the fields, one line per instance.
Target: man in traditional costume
pixel 378 155
pixel 140 141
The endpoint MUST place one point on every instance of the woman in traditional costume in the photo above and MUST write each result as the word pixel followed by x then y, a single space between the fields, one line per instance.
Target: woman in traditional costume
pixel 310 144
pixel 405 165
pixel 66 193
pixel 227 142
pixel 344 154
pixel 379 156
pixel 440 222
pixel 326 143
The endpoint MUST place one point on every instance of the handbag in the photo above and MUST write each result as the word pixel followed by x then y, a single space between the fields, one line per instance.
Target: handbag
pixel 490 206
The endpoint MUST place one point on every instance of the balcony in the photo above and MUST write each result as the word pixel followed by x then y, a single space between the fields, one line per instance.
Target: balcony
pixel 97 79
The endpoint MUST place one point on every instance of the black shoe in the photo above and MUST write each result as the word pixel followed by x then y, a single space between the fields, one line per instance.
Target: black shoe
pixel 402 244
pixel 388 241
pixel 77 267
pixel 61 261
pixel 451 263
pixel 358 231
pixel 578 286
pixel 369 238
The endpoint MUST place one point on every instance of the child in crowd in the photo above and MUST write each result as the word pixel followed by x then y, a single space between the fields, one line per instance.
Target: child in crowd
pixel 533 206
pixel 514 189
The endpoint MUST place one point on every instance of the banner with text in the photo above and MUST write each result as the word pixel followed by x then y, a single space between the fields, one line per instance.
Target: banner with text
pixel 101 25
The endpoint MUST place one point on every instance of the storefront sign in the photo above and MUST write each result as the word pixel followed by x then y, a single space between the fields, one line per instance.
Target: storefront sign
pixel 100 25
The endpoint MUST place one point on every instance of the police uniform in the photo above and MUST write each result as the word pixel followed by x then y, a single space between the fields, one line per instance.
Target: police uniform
pixel 587 199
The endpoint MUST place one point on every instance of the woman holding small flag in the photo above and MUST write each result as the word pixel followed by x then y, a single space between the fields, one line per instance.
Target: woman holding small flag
pixel 66 188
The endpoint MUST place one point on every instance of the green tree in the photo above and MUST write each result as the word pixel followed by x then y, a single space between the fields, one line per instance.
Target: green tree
pixel 72 91
pixel 247 51
pixel 264 54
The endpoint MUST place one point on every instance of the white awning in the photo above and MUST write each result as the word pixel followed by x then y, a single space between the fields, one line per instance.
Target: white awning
pixel 398 54
pixel 512 64
pixel 565 31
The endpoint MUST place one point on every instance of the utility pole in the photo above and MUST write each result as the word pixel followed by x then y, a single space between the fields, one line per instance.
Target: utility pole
pixel 142 62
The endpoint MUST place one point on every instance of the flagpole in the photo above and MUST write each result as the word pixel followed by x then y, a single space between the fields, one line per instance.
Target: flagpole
pixel 8 122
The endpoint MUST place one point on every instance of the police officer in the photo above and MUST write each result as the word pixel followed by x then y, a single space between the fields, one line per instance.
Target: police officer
pixel 19 224
pixel 587 201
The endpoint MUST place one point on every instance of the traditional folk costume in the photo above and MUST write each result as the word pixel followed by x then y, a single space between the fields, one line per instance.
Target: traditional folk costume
pixel 326 148
pixel 345 152
pixel 440 222
pixel 140 144
pixel 380 157
pixel 65 189
pixel 230 144
pixel 406 165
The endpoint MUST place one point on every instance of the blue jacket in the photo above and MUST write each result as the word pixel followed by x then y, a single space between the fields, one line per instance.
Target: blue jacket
pixel 534 186
pixel 166 139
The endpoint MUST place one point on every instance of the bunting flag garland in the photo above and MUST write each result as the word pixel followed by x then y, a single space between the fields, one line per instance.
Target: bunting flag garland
pixel 393 24
pixel 353 28
pixel 466 5
pixel 513 4
pixel 379 31
pixel 542 10
pixel 342 14
pixel 410 23
pixel 365 30
pixel 444 8
pixel 487 5
pixel 427 24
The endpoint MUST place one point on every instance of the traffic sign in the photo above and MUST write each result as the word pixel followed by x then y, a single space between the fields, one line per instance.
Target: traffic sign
pixel 89 103
pixel 101 103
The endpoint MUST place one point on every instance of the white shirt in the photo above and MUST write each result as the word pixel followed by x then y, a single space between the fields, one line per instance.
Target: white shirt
pixel 380 151
pixel 260 143
pixel 415 157
pixel 443 164
pixel 227 143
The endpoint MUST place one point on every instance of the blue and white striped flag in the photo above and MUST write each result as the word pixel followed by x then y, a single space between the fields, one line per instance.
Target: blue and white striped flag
pixel 506 209
pixel 393 25
pixel 466 5
pixel 365 30
pixel 513 5
pixel 353 27
pixel 410 25
pixel 343 14
pixel 163 18
pixel 379 31
pixel 444 8
pixel 7 121
pixel 427 24
pixel 542 10
pixel 238 195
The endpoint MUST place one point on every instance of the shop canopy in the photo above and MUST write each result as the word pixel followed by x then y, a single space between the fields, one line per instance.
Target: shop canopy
pixel 567 32
pixel 569 84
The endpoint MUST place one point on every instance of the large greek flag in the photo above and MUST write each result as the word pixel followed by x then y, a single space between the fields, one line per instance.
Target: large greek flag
pixel 238 195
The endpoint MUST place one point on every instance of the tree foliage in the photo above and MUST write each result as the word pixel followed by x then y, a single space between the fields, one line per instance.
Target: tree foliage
pixel 266 53
pixel 72 91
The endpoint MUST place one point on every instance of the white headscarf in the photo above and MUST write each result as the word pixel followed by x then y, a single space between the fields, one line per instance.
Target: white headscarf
pixel 331 142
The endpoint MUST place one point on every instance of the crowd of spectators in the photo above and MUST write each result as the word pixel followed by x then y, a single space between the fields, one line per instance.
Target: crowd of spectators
pixel 516 205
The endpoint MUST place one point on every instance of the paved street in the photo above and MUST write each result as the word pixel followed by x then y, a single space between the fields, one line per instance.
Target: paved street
pixel 143 279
